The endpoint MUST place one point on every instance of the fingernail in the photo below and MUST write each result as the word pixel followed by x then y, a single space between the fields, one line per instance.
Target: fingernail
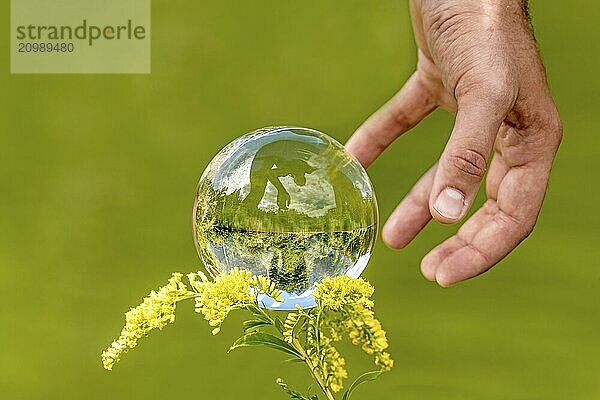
pixel 442 279
pixel 450 203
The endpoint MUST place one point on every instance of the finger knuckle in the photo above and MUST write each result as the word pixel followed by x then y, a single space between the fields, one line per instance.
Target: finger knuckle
pixel 483 87
pixel 499 91
pixel 441 17
pixel 523 227
pixel 468 162
pixel 547 125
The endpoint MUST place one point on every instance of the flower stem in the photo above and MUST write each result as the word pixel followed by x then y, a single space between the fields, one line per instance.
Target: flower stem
pixel 313 371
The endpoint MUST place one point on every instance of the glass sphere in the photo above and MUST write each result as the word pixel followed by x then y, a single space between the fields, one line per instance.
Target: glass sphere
pixel 288 203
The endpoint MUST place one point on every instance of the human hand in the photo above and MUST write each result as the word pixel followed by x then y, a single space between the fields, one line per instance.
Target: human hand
pixel 478 59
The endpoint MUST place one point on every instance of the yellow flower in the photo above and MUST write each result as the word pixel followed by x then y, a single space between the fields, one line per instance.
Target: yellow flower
pixel 334 368
pixel 289 324
pixel 344 306
pixel 384 361
pixel 351 298
pixel 323 355
pixel 330 362
pixel 215 299
pixel 156 311
pixel 335 293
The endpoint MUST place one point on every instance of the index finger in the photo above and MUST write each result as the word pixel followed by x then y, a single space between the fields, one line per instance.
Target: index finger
pixel 401 113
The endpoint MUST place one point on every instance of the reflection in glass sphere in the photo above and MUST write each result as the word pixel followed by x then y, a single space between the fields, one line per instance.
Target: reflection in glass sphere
pixel 288 203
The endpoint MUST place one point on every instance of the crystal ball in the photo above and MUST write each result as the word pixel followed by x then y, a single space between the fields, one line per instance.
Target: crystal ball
pixel 288 203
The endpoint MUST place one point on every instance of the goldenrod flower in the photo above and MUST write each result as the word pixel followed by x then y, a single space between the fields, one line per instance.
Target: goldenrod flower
pixel 289 324
pixel 344 305
pixel 335 293
pixel 352 299
pixel 384 360
pixel 324 356
pixel 333 365
pixel 156 311
pixel 215 299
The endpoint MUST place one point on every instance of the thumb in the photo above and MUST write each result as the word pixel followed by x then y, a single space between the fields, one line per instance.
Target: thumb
pixel 464 161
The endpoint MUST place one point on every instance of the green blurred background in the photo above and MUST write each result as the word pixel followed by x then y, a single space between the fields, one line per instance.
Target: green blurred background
pixel 98 174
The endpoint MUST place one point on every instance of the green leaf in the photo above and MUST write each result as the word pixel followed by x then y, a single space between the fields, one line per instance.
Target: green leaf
pixel 258 313
pixel 266 339
pixel 364 378
pixel 279 324
pixel 294 359
pixel 253 324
